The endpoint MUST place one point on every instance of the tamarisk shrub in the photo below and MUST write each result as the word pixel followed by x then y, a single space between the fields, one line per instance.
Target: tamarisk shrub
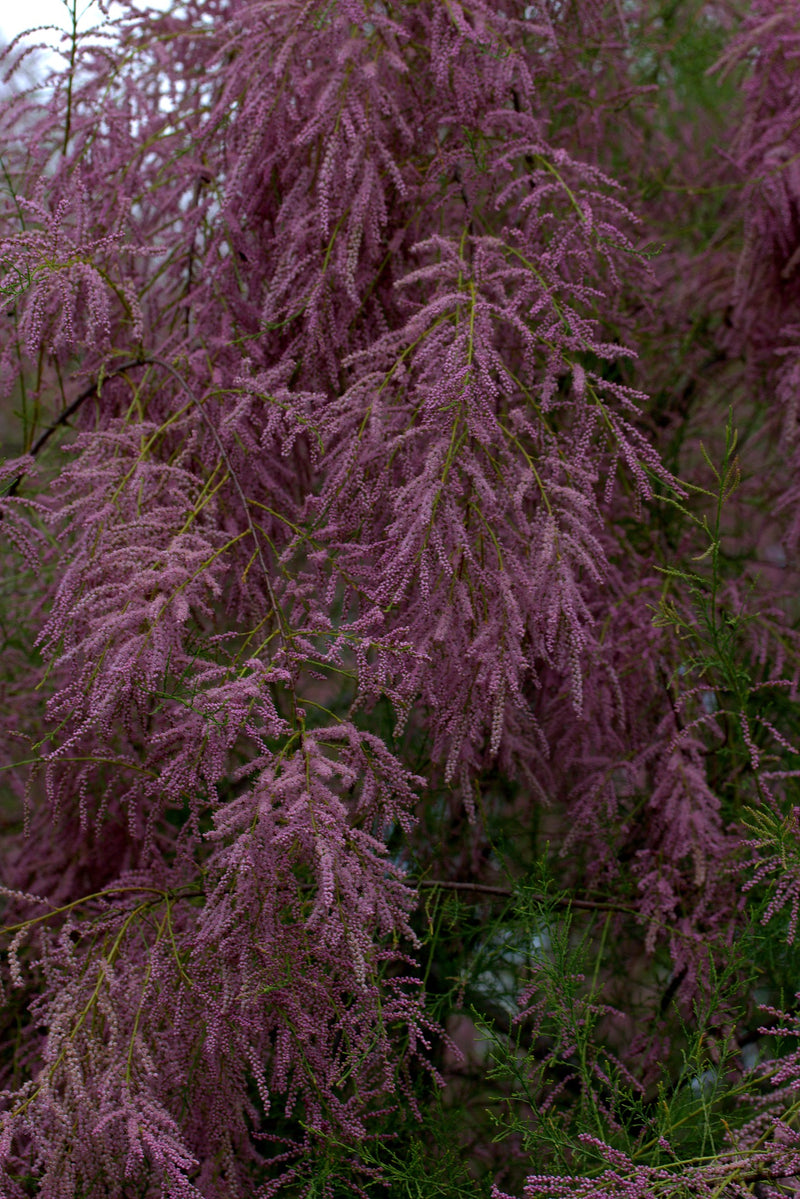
pixel 364 570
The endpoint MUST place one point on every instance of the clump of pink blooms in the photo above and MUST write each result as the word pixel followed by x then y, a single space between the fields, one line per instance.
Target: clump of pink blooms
pixel 357 351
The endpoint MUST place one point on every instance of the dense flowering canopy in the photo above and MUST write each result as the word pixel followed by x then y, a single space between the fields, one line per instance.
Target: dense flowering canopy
pixel 380 564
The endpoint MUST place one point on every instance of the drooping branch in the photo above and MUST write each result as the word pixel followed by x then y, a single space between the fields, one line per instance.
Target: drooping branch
pixel 70 411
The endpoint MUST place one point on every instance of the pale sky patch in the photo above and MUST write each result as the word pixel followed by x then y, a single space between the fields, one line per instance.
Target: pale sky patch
pixel 16 18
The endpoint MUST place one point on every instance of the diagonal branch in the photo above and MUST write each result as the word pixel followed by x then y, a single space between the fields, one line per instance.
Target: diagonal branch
pixel 69 411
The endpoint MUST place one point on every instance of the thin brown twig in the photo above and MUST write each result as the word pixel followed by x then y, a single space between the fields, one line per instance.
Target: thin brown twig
pixel 507 892
pixel 69 411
